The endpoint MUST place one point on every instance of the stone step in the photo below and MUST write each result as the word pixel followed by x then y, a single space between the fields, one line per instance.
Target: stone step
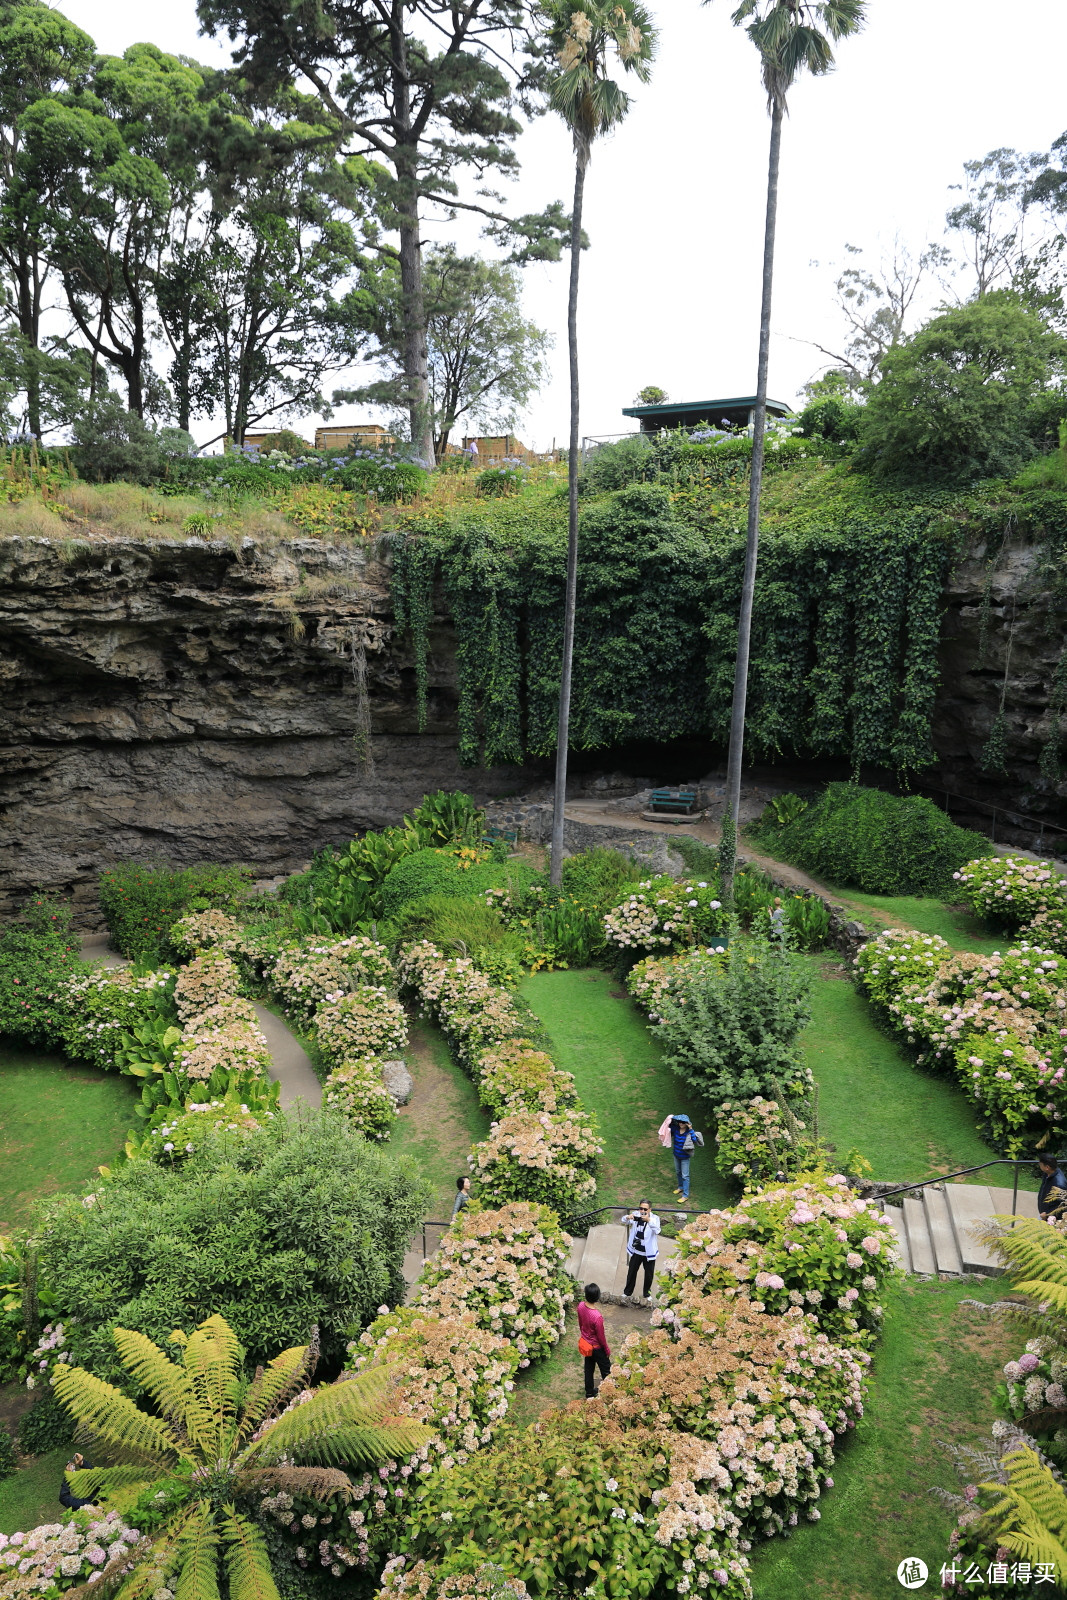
pixel 601 1258
pixel 920 1246
pixel 942 1235
pixel 970 1203
pixel 1026 1202
pixel 895 1217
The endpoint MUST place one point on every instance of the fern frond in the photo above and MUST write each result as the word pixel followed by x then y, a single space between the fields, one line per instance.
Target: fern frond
pixel 273 1386
pixel 320 1483
pixel 247 1562
pixel 212 1360
pixel 87 1482
pixel 344 1422
pixel 1030 1516
pixel 198 1556
pixel 110 1416
pixel 165 1381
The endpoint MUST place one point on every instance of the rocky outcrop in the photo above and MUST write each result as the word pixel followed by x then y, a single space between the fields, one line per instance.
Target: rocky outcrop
pixel 195 700
pixel 198 701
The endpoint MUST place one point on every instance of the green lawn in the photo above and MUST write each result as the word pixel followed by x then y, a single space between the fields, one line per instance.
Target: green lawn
pixel 443 1119
pixel 31 1495
pixel 933 1377
pixel 956 925
pixel 908 1124
pixel 59 1121
pixel 599 1035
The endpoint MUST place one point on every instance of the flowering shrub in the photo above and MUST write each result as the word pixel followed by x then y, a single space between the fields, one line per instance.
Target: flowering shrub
pixel 757 1140
pixel 1049 929
pixel 767 1391
pixel 588 1506
pixel 318 970
pixel 514 1075
pixel 1012 890
pixel 898 957
pixel 1015 1087
pixel 183 1134
pixel 205 930
pixel 813 1245
pixel 475 1013
pixel 453 1375
pixel 661 914
pixel 468 1576
pixel 224 1035
pixel 506 1269
pixel 52 1350
pixel 1037 1381
pixel 56 1556
pixel 204 982
pixel 356 1087
pixel 656 979
pixel 536 1156
pixel 368 1022
pixel 100 1007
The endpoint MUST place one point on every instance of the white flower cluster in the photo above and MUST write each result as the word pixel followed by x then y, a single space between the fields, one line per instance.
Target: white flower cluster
pixel 56 1556
pixel 206 930
pixel 100 1007
pixel 306 975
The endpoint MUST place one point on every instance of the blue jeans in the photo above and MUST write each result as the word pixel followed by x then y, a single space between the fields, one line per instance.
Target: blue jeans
pixel 681 1170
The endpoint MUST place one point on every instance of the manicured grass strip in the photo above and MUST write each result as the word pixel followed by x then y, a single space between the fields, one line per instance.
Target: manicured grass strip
pixel 31 1495
pixel 956 925
pixel 59 1121
pixel 907 1123
pixel 933 1378
pixel 599 1034
pixel 443 1118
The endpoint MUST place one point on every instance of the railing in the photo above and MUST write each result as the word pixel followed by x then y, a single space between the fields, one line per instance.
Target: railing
pixel 429 1223
pixel 1015 819
pixel 964 1172
pixel 581 1221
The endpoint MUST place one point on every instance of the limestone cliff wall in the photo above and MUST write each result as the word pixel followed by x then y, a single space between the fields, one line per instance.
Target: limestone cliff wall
pixel 197 700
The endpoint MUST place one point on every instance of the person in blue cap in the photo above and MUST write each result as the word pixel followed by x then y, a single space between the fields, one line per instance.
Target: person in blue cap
pixel 684 1140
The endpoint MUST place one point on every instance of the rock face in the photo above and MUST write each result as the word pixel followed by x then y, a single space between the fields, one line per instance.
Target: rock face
pixel 199 700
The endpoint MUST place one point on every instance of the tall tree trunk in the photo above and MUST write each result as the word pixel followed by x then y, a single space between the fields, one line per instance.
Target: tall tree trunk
pixel 416 359
pixel 570 600
pixel 744 629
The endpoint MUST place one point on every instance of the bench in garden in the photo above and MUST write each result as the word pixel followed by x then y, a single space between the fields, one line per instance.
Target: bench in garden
pixel 510 835
pixel 674 800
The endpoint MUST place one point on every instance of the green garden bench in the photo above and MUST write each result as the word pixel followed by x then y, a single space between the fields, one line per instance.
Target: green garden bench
pixel 674 800
pixel 511 835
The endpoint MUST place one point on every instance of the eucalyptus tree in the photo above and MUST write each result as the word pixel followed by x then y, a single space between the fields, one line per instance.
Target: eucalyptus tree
pixel 791 36
pixel 42 54
pixel 425 87
pixel 590 104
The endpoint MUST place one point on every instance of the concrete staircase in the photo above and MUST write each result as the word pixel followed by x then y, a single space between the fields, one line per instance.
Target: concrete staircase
pixel 934 1226
pixel 601 1258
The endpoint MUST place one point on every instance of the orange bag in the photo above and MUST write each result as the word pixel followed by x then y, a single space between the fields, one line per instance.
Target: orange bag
pixel 584 1347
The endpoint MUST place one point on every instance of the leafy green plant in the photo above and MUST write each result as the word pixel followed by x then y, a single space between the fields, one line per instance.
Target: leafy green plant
pixel 808 920
pixel 46 1427
pixel 309 1226
pixel 38 952
pixel 786 808
pixel 448 818
pixel 141 902
pixel 880 843
pixel 498 481
pixel 212 1441
pixel 8 1459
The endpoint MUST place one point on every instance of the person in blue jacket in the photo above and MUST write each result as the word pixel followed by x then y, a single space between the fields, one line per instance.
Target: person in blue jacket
pixel 684 1140
pixel 1052 1195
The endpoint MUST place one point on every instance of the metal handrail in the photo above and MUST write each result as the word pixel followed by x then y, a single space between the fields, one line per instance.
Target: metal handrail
pixel 964 1172
pixel 587 1216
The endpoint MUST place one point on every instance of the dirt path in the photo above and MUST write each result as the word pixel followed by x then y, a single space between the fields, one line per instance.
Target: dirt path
pixel 709 833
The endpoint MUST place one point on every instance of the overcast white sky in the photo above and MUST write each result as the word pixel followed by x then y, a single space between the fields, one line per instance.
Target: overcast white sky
pixel 674 201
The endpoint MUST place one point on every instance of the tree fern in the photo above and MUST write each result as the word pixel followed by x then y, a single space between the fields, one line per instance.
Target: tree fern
pixel 247 1562
pixel 88 1482
pixel 198 1557
pixel 1030 1517
pixel 212 1360
pixel 110 1416
pixel 314 1430
pixel 273 1385
pixel 166 1382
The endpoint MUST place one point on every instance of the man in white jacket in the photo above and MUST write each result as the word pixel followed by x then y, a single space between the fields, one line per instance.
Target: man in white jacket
pixel 642 1248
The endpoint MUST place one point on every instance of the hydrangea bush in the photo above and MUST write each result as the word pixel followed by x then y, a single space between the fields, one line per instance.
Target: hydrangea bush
pixel 813 1245
pixel 1012 890
pixel 468 1576
pixel 664 914
pixel 768 1392
pixel 506 1269
pixel 590 1507
pixel 204 982
pixel 535 1155
pixel 899 957
pixel 206 930
pixel 756 1142
pixel 319 970
pixel 516 1075
pixel 224 1035
pixel 368 1022
pixel 474 1012
pixel 357 1088
pixel 655 980
pixel 100 1007
pixel 48 1560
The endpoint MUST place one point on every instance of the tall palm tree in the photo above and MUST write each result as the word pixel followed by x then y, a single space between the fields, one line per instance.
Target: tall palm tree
pixel 217 1439
pixel 790 39
pixel 590 103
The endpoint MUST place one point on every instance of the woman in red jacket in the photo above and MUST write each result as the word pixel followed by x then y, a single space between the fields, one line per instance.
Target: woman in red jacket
pixel 592 1340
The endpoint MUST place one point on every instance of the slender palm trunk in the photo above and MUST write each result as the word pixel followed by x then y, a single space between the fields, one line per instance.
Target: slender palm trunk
pixel 744 630
pixel 570 601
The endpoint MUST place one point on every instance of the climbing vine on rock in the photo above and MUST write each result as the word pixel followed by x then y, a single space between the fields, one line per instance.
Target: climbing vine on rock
pixel 844 643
